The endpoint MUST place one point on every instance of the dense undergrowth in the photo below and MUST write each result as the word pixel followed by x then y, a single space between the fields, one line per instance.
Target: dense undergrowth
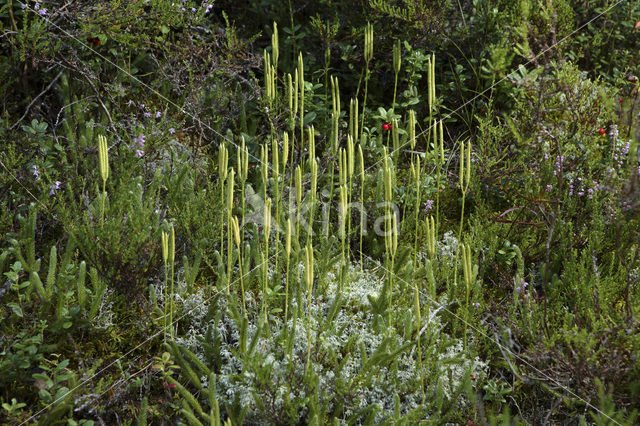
pixel 319 212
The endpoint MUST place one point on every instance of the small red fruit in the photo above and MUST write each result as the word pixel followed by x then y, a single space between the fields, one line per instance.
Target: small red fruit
pixel 620 100
pixel 386 126
pixel 602 131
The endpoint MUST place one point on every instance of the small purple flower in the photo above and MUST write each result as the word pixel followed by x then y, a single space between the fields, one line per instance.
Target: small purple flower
pixel 139 153
pixel 140 140
pixel 549 187
pixel 158 114
pixel 590 191
pixel 209 7
pixel 42 12
pixel 193 9
pixel 523 285
pixel 23 6
pixel 172 130
pixel 625 148
pixel 546 155
pixel 570 190
pixel 36 6
pixel 35 172
pixel 614 132
pixel 429 205
pixel 147 114
pixel 580 193
pixel 52 188
pixel 476 304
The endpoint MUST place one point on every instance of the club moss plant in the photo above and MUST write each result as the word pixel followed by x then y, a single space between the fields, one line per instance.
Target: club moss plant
pixel 103 156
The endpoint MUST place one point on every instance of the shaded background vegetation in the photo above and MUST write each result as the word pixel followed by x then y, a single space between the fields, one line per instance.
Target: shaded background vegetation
pixel 530 84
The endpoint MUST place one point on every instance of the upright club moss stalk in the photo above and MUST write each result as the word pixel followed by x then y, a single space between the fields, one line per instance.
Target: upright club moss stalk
pixel 463 181
pixel 223 164
pixel 275 149
pixel 236 237
pixel 164 236
pixel 368 55
pixel 275 48
pixel 264 168
pixel 353 119
pixel 285 158
pixel 290 96
pixel 314 180
pixel 168 240
pixel 439 164
pixel 396 68
pixel 391 241
pixel 298 185
pixel 172 261
pixel 269 79
pixel 265 257
pixel 418 184
pixel 335 119
pixel 391 238
pixel 362 230
pixel 418 317
pixel 103 157
pixel 431 238
pixel 287 250
pixel 469 279
pixel 243 174
pixel 308 275
pixel 395 137
pixel 343 218
pixel 300 81
pixel 229 215
pixel 351 165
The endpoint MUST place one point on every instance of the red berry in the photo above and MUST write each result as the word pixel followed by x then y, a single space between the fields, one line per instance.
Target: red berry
pixel 386 126
pixel 620 100
pixel 601 131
